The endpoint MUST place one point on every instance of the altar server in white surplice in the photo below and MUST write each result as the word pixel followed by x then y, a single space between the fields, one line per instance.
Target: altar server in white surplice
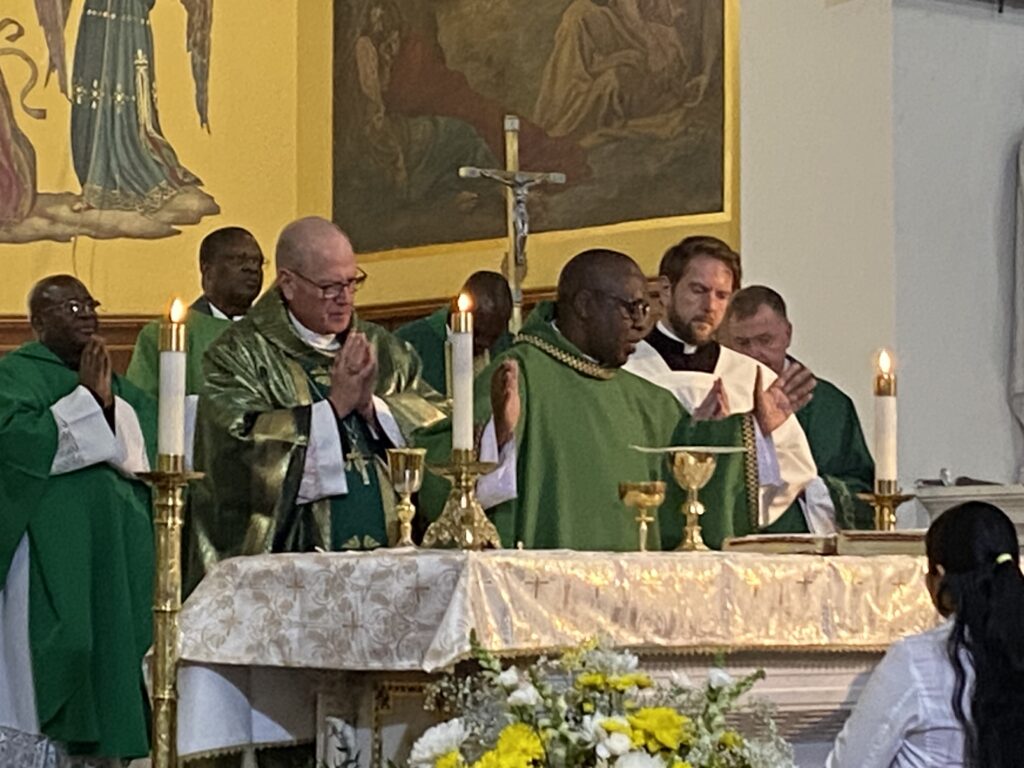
pixel 696 279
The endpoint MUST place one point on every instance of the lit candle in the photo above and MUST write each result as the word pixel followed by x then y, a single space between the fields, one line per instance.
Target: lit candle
pixel 885 424
pixel 171 435
pixel 462 376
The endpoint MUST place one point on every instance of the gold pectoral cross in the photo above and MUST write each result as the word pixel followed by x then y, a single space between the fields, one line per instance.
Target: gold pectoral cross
pixel 355 461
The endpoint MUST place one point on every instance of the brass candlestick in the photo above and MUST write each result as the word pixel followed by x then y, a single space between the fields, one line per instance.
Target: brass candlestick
pixel 885 500
pixel 643 497
pixel 692 469
pixel 168 483
pixel 405 465
pixel 462 523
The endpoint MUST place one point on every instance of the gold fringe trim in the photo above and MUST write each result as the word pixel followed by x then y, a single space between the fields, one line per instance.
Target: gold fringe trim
pixel 578 364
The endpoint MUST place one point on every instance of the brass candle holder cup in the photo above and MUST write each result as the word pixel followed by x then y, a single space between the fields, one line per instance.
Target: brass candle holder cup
pixel 643 497
pixel 405 466
pixel 462 523
pixel 886 498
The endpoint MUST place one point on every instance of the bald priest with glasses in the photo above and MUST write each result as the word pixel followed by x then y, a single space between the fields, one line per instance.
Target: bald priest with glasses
pixel 300 401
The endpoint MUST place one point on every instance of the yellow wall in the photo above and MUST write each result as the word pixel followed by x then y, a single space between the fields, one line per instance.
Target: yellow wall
pixel 266 161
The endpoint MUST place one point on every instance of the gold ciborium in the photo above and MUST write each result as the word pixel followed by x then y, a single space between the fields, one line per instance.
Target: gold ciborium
pixel 692 469
pixel 405 465
pixel 643 497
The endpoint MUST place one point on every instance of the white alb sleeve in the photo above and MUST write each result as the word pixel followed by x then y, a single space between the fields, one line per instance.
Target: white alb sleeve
pixel 131 445
pixel 323 473
pixel 83 436
pixel 819 512
pixel 500 485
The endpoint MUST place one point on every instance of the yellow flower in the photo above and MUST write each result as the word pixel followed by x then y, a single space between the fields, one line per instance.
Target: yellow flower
pixel 631 680
pixel 730 740
pixel 591 680
pixel 588 707
pixel 677 763
pixel 660 728
pixel 449 760
pixel 489 760
pixel 519 745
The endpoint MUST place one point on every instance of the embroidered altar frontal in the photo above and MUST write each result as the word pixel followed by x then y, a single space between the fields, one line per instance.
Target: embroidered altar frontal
pixel 394 610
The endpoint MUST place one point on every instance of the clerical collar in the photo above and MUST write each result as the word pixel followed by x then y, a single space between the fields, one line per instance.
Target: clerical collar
pixel 222 315
pixel 674 351
pixel 688 348
pixel 322 342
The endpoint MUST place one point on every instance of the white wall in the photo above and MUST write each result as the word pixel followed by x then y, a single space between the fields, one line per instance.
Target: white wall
pixel 816 176
pixel 958 90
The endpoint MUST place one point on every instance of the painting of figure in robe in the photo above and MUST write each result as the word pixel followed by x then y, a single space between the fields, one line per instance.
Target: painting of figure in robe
pixel 132 183
pixel 626 97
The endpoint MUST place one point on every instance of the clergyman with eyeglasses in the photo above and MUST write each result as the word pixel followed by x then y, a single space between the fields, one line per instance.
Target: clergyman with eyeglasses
pixel 301 399
pixel 231 265
pixel 76 542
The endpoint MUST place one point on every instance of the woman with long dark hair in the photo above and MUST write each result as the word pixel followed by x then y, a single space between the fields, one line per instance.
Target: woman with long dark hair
pixel 952 696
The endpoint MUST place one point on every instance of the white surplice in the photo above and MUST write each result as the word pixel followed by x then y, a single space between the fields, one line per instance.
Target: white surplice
pixel 785 463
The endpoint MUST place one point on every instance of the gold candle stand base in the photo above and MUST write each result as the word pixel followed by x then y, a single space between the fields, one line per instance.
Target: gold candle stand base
pixel 885 500
pixel 168 482
pixel 462 523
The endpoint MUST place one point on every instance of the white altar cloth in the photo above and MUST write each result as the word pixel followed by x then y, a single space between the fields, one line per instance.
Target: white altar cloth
pixel 259 632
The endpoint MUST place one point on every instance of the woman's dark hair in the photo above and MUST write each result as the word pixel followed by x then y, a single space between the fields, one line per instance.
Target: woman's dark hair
pixel 976 546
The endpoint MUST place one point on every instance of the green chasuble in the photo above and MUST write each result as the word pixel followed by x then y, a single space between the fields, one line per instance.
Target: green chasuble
pixel 577 423
pixel 841 454
pixel 90 563
pixel 252 432
pixel 428 336
pixel 200 331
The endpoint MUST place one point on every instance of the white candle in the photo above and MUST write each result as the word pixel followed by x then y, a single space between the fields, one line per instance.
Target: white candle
pixel 885 423
pixel 462 376
pixel 171 435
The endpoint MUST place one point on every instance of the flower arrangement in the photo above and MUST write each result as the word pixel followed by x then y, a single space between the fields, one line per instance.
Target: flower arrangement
pixel 592 708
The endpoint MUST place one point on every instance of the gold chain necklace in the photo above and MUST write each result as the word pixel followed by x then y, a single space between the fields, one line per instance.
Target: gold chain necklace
pixel 576 363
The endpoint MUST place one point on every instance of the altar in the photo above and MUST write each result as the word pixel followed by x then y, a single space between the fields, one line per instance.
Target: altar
pixel 337 648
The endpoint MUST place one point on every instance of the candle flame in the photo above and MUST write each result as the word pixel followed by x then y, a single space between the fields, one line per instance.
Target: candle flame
pixel 465 303
pixel 178 311
pixel 885 363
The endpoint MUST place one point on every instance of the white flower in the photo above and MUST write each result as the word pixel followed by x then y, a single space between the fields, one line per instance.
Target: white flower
pixel 616 744
pixel 680 679
pixel 437 741
pixel 509 678
pixel 639 760
pixel 611 662
pixel 525 696
pixel 719 678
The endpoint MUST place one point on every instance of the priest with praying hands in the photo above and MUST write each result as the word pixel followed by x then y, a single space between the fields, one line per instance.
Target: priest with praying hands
pixel 568 413
pixel 76 539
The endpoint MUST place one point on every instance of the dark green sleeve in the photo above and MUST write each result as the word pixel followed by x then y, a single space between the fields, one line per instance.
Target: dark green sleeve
pixel 144 368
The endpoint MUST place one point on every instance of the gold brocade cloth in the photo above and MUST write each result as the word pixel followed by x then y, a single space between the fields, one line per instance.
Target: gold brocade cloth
pixel 395 610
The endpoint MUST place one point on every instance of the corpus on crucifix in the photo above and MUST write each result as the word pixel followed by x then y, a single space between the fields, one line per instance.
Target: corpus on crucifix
pixel 517 189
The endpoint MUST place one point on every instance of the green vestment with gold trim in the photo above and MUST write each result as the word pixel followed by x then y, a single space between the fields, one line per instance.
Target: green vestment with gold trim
pixel 573 440
pixel 252 432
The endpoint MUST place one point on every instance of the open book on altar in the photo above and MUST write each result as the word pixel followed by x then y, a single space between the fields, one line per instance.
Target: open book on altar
pixel 907 542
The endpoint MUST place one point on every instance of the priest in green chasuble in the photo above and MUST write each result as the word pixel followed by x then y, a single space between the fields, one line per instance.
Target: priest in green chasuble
pixel 681 353
pixel 76 538
pixel 491 301
pixel 231 264
pixel 300 401
pixel 560 402
pixel 757 324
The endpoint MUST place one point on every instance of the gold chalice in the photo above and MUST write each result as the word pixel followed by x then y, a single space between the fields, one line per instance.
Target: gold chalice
pixel 643 497
pixel 405 465
pixel 692 469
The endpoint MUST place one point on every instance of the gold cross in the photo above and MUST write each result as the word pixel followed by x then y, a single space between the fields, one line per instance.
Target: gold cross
pixel 357 462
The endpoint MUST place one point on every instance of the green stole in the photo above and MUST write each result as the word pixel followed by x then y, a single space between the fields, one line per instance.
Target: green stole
pixel 91 564
pixel 357 518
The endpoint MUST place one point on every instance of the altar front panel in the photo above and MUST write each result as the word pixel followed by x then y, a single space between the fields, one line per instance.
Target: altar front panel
pixel 272 644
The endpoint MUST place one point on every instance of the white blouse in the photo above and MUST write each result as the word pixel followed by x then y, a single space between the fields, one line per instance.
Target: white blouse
pixel 904 718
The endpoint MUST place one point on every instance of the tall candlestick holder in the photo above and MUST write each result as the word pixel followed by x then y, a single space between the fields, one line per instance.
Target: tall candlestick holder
pixel 886 498
pixel 168 483
pixel 462 523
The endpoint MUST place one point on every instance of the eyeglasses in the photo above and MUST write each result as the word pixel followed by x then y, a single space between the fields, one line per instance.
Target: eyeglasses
pixel 75 307
pixel 331 291
pixel 240 260
pixel 637 310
